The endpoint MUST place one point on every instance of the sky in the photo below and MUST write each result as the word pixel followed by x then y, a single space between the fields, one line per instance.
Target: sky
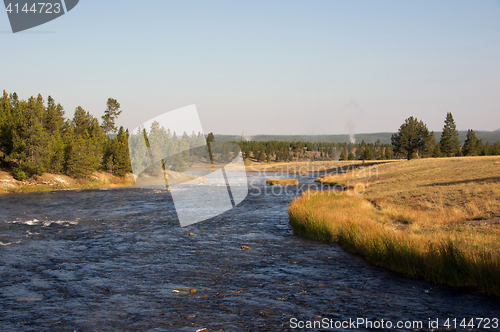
pixel 267 67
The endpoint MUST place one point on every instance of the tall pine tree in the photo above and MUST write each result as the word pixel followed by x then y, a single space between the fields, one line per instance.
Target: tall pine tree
pixel 80 159
pixel 471 144
pixel 121 158
pixel 110 114
pixel 449 145
pixel 31 138
pixel 412 136
pixel 54 121
pixel 6 127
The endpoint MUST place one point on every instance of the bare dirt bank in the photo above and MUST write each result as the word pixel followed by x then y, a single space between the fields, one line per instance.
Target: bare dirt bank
pixel 49 182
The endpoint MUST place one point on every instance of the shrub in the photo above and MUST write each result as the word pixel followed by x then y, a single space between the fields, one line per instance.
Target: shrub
pixel 29 169
pixel 20 176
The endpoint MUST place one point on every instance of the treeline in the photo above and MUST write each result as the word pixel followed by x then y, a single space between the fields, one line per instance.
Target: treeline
pixel 413 140
pixel 168 151
pixel 289 151
pixel 35 138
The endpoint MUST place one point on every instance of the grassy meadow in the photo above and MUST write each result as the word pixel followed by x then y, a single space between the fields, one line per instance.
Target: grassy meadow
pixel 432 218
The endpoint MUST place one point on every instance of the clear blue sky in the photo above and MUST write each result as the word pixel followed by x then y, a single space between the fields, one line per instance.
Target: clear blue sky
pixel 274 67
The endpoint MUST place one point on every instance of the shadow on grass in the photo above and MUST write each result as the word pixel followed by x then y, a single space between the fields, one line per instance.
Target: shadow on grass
pixel 482 180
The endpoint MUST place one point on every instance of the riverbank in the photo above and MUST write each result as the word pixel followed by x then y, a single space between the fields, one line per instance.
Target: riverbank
pixel 50 182
pixel 437 219
pixel 282 182
pixel 303 167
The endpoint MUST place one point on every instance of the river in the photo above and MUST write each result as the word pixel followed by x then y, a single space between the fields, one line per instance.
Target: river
pixel 116 260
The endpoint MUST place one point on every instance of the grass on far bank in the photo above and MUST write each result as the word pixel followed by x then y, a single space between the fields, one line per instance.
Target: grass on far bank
pixel 300 167
pixel 281 182
pixel 432 218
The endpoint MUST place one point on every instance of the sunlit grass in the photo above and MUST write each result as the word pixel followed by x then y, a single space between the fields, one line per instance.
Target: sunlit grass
pixel 435 219
pixel 281 182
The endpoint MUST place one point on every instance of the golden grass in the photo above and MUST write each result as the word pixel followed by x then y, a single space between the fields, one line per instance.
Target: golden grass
pixel 282 182
pixel 301 165
pixel 432 218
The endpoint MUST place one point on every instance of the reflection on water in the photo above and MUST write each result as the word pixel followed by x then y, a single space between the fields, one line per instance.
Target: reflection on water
pixel 109 261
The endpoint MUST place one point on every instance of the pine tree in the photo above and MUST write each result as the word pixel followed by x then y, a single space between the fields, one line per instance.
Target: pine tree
pixel 83 122
pixel 210 139
pixel 54 116
pixel 412 136
pixel 481 150
pixel 377 154
pixel 351 156
pixel 80 159
pixel 84 144
pixel 54 122
pixel 449 145
pixel 437 151
pixel 368 155
pixel 382 156
pixel 110 114
pixel 6 127
pixel 178 164
pixel 109 151
pixel 262 156
pixel 55 161
pixel 30 139
pixel 184 148
pixel 139 155
pixel 388 153
pixel 429 146
pixel 121 157
pixel 470 145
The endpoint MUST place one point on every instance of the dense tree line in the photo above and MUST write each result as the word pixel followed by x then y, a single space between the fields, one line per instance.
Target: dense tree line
pixel 35 138
pixel 413 140
pixel 290 151
pixel 164 150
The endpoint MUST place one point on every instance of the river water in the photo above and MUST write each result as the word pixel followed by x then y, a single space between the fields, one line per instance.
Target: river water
pixel 116 260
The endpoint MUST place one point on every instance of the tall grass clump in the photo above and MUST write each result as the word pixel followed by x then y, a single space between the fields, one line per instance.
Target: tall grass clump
pixel 282 182
pixel 366 229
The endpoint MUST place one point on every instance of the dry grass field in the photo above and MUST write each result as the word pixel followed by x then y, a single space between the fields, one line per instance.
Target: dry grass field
pixel 431 218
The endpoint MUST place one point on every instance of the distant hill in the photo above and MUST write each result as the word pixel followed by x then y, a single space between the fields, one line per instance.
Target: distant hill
pixel 491 137
pixel 383 137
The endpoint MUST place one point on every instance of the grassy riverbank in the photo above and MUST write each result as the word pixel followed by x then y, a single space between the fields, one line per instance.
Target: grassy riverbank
pixel 49 182
pixel 434 218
